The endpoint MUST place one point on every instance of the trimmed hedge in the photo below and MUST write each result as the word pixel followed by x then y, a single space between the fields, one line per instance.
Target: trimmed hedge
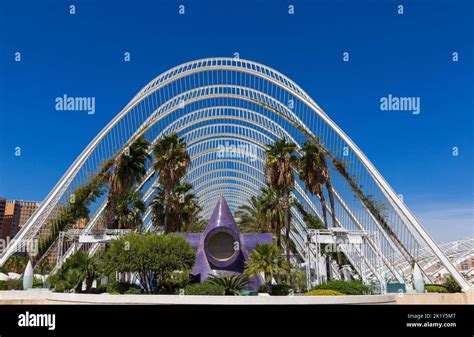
pixel 11 285
pixel 344 287
pixel 280 290
pixel 324 292
pixel 435 288
pixel 204 289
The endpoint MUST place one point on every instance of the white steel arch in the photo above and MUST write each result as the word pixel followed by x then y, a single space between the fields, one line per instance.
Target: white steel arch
pixel 259 90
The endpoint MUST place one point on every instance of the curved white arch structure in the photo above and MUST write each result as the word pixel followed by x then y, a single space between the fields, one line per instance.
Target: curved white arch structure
pixel 219 104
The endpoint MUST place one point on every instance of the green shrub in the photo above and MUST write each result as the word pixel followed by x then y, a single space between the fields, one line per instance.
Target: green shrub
pixel 451 285
pixel 324 292
pixel 173 280
pixel 156 260
pixel 204 289
pixel 11 285
pixel 102 289
pixel 37 283
pixel 59 288
pixel 435 288
pixel 298 280
pixel 280 290
pixel 348 288
pixel 76 269
pixel 15 264
pixel 133 291
pixel 118 287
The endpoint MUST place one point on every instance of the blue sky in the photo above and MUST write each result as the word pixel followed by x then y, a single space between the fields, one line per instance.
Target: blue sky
pixel 402 55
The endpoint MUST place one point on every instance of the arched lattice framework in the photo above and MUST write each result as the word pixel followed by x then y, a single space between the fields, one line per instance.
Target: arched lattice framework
pixel 228 110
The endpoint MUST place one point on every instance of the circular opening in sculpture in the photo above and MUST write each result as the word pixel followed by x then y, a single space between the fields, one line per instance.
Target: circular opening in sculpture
pixel 221 246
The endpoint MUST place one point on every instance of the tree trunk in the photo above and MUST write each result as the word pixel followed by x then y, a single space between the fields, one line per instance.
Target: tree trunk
pixel 278 233
pixel 331 202
pixel 287 226
pixel 323 205
pixel 110 213
pixel 165 209
pixel 268 283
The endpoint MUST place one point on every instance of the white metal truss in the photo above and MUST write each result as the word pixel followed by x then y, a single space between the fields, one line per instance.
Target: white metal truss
pixel 253 104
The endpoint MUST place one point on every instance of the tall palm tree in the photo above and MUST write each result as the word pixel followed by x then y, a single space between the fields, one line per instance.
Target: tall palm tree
pixel 130 166
pixel 273 203
pixel 172 159
pixel 264 213
pixel 129 211
pixel 129 169
pixel 314 172
pixel 187 208
pixel 251 217
pixel 182 210
pixel 279 166
pixel 265 258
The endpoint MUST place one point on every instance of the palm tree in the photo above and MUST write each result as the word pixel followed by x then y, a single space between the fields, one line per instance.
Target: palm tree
pixel 15 264
pixel 129 211
pixel 265 258
pixel 252 217
pixel 263 214
pixel 182 213
pixel 311 221
pixel 273 203
pixel 231 283
pixel 315 174
pixel 279 170
pixel 172 159
pixel 129 169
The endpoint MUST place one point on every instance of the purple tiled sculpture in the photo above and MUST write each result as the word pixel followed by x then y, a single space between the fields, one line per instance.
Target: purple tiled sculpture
pixel 222 249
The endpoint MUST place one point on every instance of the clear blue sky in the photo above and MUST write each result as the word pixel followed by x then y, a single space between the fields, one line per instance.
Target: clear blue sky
pixel 402 55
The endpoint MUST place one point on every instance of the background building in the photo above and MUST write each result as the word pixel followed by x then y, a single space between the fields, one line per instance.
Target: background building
pixel 15 214
pixel 2 214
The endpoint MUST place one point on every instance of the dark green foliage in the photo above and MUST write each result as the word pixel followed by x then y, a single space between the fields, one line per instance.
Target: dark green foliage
pixel 117 287
pixel 205 288
pixel 37 283
pixel 266 259
pixel 101 289
pixel 451 285
pixel 311 220
pixel 279 164
pixel 73 272
pixel 11 285
pixel 172 160
pixel 280 290
pixel 129 210
pixel 133 291
pixel 153 257
pixel 348 288
pixel 231 283
pixel 43 267
pixel 77 207
pixel 124 205
pixel 15 264
pixel 183 211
